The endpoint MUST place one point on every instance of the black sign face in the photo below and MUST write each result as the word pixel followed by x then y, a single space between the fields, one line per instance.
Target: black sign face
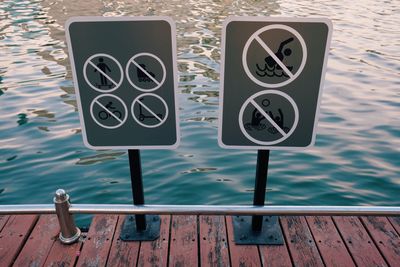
pixel 271 78
pixel 125 80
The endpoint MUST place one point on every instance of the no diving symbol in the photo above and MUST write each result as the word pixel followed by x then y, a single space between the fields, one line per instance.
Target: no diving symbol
pixel 149 110
pixel 108 111
pixel 284 54
pixel 103 73
pixel 145 72
pixel 268 117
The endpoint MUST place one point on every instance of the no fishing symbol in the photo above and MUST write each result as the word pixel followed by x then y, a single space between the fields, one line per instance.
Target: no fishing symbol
pixel 268 117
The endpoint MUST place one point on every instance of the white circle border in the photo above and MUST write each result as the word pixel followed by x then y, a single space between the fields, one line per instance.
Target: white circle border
pixel 274 92
pixel 94 87
pixel 257 33
pixel 133 84
pixel 104 126
pixel 143 124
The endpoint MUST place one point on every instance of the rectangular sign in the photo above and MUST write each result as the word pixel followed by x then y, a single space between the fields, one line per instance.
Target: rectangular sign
pixel 272 73
pixel 125 78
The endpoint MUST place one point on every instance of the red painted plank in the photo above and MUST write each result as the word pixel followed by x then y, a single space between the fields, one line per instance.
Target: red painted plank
pixel 331 246
pixel 98 242
pixel 183 244
pixel 385 237
pixel 213 241
pixel 3 220
pixel 358 242
pixel 300 242
pixel 395 223
pixel 45 233
pixel 13 236
pixel 122 253
pixel 275 255
pixel 63 255
pixel 155 253
pixel 241 255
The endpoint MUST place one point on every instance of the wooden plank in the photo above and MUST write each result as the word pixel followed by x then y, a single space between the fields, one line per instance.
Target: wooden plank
pixel 183 244
pixel 385 237
pixel 122 253
pixel 98 242
pixel 13 236
pixel 358 242
pixel 395 223
pixel 155 253
pixel 213 241
pixel 63 255
pixel 45 233
pixel 241 255
pixel 3 221
pixel 275 255
pixel 331 246
pixel 300 242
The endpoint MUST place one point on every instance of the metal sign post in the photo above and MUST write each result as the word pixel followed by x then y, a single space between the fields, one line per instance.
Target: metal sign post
pixel 139 227
pixel 125 79
pixel 272 73
pixel 258 229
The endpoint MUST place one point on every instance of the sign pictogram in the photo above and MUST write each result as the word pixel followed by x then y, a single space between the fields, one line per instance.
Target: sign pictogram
pixel 125 79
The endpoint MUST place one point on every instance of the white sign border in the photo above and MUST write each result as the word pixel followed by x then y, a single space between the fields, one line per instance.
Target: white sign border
pixel 171 22
pixel 230 19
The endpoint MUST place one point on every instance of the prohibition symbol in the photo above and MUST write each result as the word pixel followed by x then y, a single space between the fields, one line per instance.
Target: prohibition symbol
pixel 145 72
pixel 268 117
pixel 285 55
pixel 108 111
pixel 103 73
pixel 149 110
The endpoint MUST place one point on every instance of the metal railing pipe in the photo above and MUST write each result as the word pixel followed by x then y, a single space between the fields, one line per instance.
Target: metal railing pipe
pixel 205 210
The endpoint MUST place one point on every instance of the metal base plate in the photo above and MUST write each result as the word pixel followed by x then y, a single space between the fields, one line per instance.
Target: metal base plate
pixel 270 234
pixel 152 232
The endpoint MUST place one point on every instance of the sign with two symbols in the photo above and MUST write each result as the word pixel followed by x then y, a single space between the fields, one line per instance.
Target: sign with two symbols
pixel 271 79
pixel 125 80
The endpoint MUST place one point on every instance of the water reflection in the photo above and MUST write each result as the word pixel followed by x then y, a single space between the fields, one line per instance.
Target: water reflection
pixel 355 160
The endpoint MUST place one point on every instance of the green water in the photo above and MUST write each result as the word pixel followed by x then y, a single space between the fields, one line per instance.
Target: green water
pixel 355 160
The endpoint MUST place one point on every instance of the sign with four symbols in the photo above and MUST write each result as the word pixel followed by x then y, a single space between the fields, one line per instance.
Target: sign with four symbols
pixel 272 73
pixel 125 80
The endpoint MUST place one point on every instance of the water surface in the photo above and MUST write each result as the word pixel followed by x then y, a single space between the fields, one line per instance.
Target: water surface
pixel 355 160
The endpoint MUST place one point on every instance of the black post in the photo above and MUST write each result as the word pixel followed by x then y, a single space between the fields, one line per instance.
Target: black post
pixel 260 186
pixel 137 186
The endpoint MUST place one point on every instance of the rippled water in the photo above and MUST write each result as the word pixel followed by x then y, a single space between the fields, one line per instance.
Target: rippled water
pixel 355 161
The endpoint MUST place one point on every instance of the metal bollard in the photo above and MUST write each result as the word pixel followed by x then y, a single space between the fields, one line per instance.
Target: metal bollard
pixel 69 233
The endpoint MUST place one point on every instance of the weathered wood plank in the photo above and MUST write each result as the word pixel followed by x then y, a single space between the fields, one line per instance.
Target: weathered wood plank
pixel 45 233
pixel 241 255
pixel 331 246
pixel 358 242
pixel 122 253
pixel 183 244
pixel 213 241
pixel 13 236
pixel 395 223
pixel 3 221
pixel 62 255
pixel 275 255
pixel 155 253
pixel 300 242
pixel 98 242
pixel 385 237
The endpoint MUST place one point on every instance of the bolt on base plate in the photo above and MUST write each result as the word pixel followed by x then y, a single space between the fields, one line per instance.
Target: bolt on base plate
pixel 152 232
pixel 270 234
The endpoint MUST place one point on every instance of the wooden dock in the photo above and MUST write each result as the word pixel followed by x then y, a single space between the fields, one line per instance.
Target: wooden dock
pixel 31 240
